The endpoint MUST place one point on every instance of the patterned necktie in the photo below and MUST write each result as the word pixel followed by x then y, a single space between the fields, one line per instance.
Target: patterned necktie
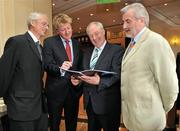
pixel 131 45
pixel 94 59
pixel 68 50
pixel 39 49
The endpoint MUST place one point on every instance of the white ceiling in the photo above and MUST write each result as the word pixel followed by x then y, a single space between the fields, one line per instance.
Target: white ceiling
pixel 159 13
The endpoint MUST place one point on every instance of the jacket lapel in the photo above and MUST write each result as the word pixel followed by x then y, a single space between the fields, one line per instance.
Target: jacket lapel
pixel 75 51
pixel 62 50
pixel 60 45
pixel 32 45
pixel 87 58
pixel 102 55
pixel 137 46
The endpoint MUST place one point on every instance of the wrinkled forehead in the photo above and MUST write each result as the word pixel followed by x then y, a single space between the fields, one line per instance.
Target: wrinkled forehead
pixel 130 14
pixel 42 18
pixel 64 25
pixel 94 28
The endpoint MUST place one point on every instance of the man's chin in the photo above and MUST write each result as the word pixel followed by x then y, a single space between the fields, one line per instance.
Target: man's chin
pixel 128 34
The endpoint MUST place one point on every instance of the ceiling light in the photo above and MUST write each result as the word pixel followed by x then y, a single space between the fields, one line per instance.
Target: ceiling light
pixel 114 20
pixel 107 10
pixel 78 18
pixel 126 3
pixel 165 4
pixel 80 28
pixel 91 14
pixel 53 4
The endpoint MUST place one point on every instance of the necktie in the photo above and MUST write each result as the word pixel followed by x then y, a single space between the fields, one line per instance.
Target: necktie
pixel 94 59
pixel 131 45
pixel 39 49
pixel 68 50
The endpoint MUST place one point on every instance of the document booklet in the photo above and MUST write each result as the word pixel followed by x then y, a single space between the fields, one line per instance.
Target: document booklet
pixel 89 72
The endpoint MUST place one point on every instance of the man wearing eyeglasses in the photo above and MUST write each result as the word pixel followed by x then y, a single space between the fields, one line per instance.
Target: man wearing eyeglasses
pixel 21 77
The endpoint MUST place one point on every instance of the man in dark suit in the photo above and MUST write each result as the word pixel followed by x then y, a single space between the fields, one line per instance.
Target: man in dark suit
pixel 102 92
pixel 21 77
pixel 62 51
pixel 178 74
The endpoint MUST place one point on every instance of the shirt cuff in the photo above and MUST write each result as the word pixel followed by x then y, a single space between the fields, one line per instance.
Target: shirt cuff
pixel 62 72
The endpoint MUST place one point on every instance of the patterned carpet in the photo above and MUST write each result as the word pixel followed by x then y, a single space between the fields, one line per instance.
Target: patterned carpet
pixel 82 120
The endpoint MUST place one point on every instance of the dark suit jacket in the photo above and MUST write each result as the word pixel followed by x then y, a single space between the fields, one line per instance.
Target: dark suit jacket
pixel 106 96
pixel 178 75
pixel 21 78
pixel 55 54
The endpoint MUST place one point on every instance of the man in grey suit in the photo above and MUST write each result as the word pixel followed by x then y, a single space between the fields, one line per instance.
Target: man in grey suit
pixel 102 92
pixel 21 77
pixel 149 85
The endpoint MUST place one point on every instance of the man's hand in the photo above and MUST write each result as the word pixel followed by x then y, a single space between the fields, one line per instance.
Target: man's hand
pixel 66 65
pixel 94 80
pixel 75 81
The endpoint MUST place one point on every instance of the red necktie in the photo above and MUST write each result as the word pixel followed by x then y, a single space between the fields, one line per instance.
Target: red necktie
pixel 68 50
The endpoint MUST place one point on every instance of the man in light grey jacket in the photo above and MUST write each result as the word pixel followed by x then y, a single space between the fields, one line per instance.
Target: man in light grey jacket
pixel 149 82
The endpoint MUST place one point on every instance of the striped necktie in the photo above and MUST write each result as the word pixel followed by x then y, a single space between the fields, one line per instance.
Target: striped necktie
pixel 94 59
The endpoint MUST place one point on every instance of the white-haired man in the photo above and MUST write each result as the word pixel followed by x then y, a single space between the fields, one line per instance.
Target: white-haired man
pixel 21 77
pixel 149 82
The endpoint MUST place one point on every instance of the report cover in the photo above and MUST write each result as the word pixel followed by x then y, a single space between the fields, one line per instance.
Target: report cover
pixel 88 72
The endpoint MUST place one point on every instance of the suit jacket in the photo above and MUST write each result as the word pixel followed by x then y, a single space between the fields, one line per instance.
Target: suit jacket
pixel 21 78
pixel 55 54
pixel 149 83
pixel 104 97
pixel 178 74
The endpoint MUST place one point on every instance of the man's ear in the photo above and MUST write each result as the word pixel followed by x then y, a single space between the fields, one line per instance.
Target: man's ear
pixel 103 32
pixel 142 20
pixel 32 23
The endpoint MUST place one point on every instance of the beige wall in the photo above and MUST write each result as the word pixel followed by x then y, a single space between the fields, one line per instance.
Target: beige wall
pixel 169 32
pixel 13 14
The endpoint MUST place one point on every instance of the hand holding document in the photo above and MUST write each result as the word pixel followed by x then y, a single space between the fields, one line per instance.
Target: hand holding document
pixel 66 65
pixel 88 72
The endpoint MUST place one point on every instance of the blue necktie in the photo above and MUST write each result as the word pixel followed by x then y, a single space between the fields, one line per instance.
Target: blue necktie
pixel 94 59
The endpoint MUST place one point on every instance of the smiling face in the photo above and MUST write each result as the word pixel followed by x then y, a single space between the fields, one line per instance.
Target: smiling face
pixel 96 35
pixel 40 26
pixel 131 25
pixel 65 30
pixel 62 24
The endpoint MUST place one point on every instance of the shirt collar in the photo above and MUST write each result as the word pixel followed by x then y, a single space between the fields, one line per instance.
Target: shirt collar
pixel 102 47
pixel 137 37
pixel 64 41
pixel 33 36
